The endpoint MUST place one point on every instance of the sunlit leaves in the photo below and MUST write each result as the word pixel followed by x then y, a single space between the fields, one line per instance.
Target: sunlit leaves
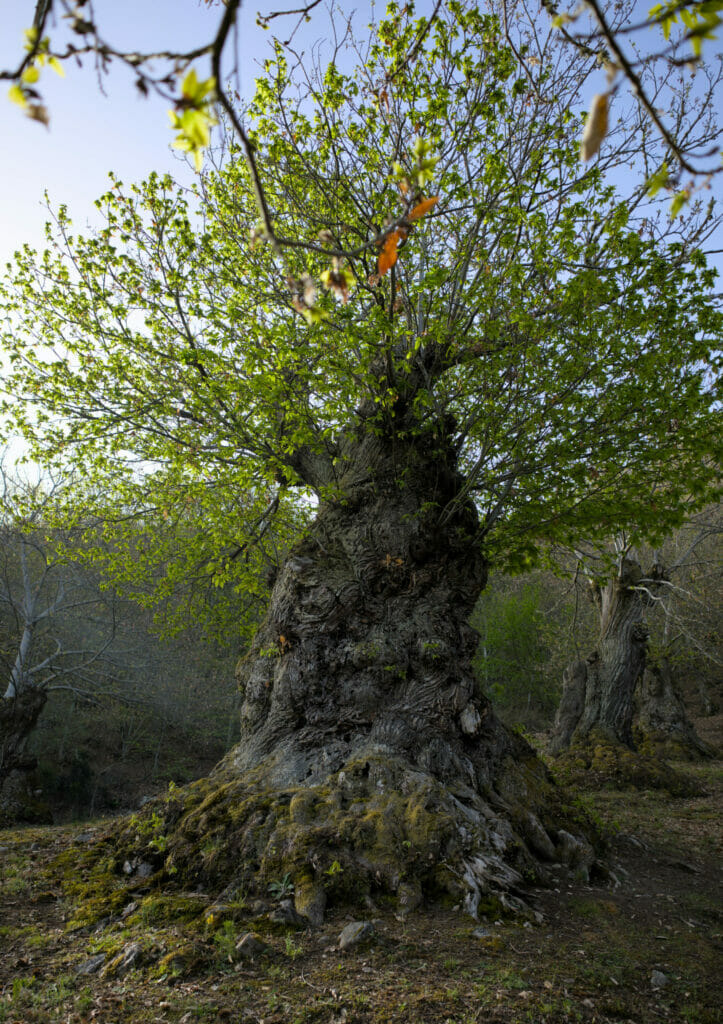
pixel 525 314
pixel 700 19
pixel 193 117
pixel 23 91
pixel 679 201
pixel 17 95
pixel 658 180
pixel 421 168
pixel 661 179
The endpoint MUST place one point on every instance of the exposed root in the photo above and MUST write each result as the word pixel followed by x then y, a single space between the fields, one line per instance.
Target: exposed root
pixel 377 830
pixel 683 746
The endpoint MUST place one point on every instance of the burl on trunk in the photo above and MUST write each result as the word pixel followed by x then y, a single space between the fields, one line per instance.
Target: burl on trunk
pixel 370 762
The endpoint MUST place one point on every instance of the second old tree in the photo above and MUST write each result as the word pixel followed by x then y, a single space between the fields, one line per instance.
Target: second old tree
pixel 469 345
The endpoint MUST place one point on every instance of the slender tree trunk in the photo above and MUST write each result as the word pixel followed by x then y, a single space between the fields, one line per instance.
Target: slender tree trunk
pixel 369 759
pixel 598 693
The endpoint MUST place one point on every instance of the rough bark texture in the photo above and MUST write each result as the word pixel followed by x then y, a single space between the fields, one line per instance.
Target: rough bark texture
pixel 662 725
pixel 593 731
pixel 598 693
pixel 366 642
pixel 370 763
pixel 18 717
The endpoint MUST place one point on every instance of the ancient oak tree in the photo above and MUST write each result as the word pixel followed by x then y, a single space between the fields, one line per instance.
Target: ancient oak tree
pixel 508 366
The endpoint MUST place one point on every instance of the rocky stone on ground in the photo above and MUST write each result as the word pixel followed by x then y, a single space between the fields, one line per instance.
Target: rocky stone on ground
pixel 250 946
pixel 93 965
pixel 355 933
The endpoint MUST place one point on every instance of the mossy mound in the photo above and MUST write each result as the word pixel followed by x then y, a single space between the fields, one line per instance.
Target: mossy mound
pixel 599 763
pixel 377 830
pixel 671 747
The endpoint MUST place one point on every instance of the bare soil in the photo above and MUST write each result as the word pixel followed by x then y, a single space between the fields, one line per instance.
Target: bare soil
pixel 638 947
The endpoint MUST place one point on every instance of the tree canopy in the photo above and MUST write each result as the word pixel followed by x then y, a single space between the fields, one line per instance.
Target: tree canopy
pixel 454 264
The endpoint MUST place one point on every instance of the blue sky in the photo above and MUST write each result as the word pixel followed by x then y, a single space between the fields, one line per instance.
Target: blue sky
pixel 91 134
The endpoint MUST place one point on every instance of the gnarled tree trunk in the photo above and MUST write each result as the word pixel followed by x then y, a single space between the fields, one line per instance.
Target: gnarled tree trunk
pixel 18 717
pixel 662 724
pixel 369 759
pixel 598 693
pixel 593 729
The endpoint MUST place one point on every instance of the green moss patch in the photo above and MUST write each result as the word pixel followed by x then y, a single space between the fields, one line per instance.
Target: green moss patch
pixel 599 763
pixel 377 829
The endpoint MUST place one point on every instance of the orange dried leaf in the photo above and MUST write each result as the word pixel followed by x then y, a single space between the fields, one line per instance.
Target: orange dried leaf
pixel 423 208
pixel 388 255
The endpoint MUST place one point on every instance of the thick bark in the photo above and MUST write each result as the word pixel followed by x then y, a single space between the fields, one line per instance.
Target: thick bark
pixel 369 759
pixel 18 717
pixel 662 725
pixel 598 693
pixel 366 642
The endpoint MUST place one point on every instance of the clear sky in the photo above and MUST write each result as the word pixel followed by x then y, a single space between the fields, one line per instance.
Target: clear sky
pixel 91 134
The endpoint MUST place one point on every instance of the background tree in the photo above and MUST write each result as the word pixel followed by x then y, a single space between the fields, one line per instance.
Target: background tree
pixel 681 639
pixel 124 700
pixel 492 384
pixel 599 698
pixel 57 627
pixel 525 627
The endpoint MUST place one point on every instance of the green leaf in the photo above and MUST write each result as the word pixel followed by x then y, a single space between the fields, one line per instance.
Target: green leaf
pixel 17 95
pixel 658 180
pixel 678 202
pixel 197 91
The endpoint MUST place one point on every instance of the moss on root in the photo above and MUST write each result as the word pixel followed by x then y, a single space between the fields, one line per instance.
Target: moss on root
pixel 599 763
pixel 378 829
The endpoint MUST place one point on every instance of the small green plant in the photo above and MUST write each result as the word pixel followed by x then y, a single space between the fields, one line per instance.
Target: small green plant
pixel 152 830
pixel 293 949
pixel 282 888
pixel 334 868
pixel 159 843
pixel 273 651
pixel 60 991
pixel 84 1001
pixel 225 939
pixel 20 987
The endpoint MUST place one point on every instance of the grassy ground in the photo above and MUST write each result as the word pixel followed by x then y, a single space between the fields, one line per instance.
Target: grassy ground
pixel 593 958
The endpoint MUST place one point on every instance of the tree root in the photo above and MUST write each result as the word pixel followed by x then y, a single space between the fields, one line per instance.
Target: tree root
pixel 378 830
